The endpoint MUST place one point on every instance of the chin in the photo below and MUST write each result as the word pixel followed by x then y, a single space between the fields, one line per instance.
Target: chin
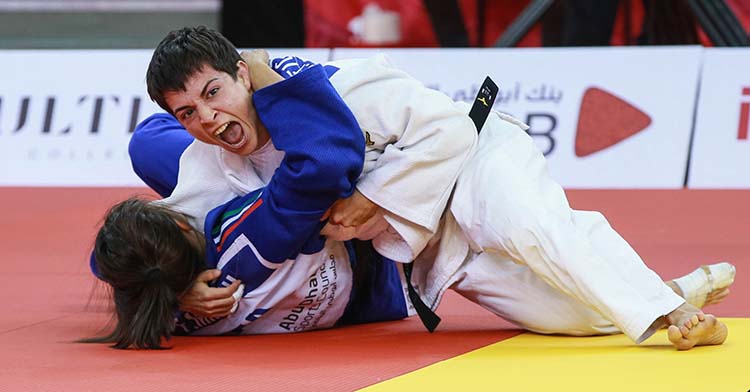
pixel 247 149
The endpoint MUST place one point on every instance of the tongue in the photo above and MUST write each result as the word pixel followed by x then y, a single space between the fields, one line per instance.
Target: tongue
pixel 233 134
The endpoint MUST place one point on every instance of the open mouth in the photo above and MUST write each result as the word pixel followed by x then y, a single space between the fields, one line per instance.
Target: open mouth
pixel 231 134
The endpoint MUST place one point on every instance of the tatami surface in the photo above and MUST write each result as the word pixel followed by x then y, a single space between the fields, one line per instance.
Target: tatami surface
pixel 48 300
pixel 530 362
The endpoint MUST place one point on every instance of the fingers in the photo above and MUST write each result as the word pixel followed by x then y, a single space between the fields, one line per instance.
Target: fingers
pixel 208 275
pixel 207 293
pixel 352 218
pixel 245 55
pixel 349 218
pixel 215 308
pixel 356 219
pixel 220 307
pixel 205 301
pixel 214 293
pixel 363 217
pixel 352 211
pixel 326 215
pixel 340 219
pixel 336 212
pixel 260 55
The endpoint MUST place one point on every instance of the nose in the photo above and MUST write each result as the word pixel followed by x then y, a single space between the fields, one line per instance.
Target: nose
pixel 206 114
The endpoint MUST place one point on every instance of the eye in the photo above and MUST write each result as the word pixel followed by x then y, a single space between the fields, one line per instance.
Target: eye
pixel 213 91
pixel 187 113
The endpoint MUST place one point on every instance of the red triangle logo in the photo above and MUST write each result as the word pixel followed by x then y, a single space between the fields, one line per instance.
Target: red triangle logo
pixel 605 120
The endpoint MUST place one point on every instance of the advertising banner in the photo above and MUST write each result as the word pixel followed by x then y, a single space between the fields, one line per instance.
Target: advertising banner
pixel 605 117
pixel 66 116
pixel 721 148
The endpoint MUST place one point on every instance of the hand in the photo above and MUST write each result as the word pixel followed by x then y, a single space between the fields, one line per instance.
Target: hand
pixel 261 74
pixel 352 211
pixel 203 300
pixel 255 55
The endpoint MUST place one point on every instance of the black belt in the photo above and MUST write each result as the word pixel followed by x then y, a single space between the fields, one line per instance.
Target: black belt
pixel 483 103
pixel 428 317
pixel 478 114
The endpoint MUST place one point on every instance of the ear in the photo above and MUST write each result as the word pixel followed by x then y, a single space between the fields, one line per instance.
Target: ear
pixel 243 73
pixel 184 226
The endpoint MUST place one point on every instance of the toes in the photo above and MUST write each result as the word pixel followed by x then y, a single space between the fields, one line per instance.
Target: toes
pixel 700 329
pixel 691 322
pixel 678 341
pixel 674 334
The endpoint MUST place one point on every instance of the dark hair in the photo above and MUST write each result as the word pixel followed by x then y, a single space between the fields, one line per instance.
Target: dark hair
pixel 182 53
pixel 149 262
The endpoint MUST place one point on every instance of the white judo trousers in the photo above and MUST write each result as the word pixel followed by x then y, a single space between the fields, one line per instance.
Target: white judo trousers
pixel 538 263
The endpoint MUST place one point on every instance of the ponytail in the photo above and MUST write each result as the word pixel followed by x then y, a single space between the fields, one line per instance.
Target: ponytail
pixel 143 318
pixel 149 262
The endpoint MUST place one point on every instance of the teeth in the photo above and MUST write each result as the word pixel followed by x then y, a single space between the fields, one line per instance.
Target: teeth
pixel 221 129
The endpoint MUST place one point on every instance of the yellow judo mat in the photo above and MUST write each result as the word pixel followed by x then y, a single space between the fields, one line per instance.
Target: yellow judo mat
pixel 531 362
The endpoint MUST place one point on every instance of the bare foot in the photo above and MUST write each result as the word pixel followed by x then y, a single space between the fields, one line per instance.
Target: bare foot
pixel 689 327
pixel 705 286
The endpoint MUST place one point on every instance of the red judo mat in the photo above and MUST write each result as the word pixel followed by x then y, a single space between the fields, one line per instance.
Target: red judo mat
pixel 49 299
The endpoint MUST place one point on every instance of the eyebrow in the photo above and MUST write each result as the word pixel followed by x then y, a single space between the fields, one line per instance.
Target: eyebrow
pixel 203 92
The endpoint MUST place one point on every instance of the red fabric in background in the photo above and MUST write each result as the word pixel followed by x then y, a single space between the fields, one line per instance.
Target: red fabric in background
pixel 326 22
pixel 741 9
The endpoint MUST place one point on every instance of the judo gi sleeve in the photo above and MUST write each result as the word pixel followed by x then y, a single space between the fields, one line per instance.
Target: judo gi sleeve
pixel 323 148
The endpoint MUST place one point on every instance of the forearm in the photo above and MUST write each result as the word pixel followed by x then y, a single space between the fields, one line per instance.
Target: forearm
pixel 262 75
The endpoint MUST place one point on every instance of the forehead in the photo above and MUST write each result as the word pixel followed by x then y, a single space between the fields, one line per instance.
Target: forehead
pixel 200 77
pixel 194 85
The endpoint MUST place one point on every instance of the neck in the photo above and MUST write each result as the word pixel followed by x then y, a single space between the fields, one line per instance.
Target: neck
pixel 263 136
